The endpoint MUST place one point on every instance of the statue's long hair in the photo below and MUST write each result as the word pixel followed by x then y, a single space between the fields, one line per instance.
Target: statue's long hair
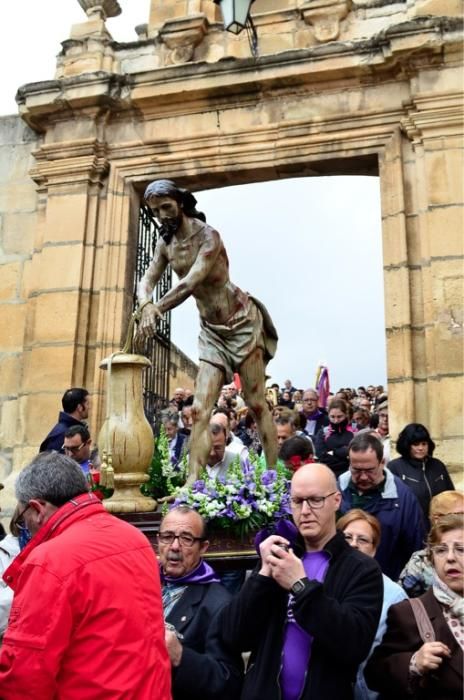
pixel 168 188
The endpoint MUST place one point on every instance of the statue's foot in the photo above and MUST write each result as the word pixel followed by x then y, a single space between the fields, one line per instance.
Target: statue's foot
pixel 192 477
pixel 167 499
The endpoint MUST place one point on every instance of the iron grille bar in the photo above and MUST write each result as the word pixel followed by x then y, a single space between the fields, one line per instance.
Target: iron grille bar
pixel 158 348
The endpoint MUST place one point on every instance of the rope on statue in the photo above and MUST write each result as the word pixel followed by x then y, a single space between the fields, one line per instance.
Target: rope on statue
pixel 131 345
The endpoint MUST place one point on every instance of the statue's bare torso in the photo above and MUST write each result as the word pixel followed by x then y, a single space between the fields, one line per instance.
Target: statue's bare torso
pixel 200 261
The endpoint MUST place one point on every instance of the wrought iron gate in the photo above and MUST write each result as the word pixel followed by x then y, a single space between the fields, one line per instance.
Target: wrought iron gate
pixel 157 349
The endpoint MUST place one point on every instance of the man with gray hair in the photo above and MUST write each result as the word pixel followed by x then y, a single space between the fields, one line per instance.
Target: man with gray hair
pixel 202 668
pixel 177 441
pixel 87 610
pixel 313 416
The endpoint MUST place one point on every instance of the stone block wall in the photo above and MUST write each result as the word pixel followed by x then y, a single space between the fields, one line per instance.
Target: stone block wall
pixel 182 371
pixel 18 221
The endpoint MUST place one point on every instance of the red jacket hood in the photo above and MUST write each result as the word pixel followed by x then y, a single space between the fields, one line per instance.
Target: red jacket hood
pixel 75 509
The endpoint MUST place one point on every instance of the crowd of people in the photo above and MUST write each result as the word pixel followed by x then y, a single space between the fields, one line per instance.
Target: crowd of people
pixel 358 595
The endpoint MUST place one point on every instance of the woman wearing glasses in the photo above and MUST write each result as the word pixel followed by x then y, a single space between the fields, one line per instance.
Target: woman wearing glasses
pixel 417 575
pixel 362 531
pixel 405 666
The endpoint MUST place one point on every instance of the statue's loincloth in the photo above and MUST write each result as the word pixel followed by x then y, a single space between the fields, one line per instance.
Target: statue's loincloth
pixel 228 346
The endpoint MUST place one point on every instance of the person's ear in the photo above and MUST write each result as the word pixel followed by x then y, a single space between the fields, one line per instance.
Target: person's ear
pixel 39 508
pixel 204 547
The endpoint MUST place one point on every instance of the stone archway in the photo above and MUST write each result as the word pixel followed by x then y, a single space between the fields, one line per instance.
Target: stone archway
pixel 350 87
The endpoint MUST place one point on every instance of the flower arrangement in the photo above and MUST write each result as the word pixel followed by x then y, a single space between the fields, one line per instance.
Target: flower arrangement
pixel 101 492
pixel 165 476
pixel 251 497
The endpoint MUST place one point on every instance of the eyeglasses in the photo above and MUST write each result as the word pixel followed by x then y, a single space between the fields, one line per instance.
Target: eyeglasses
pixel 19 520
pixel 313 502
pixel 357 472
pixel 73 450
pixel 359 539
pixel 442 550
pixel 184 538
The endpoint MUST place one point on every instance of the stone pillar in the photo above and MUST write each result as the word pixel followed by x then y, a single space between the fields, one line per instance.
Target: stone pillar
pixel 401 363
pixel 60 336
pixel 434 126
pixel 421 178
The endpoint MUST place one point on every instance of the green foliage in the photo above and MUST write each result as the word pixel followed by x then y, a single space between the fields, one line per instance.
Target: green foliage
pixel 164 477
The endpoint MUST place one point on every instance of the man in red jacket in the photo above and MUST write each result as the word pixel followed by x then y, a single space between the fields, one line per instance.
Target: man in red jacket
pixel 86 621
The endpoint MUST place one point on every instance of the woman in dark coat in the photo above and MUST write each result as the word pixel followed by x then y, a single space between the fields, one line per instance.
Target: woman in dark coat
pixel 417 467
pixel 404 666
pixel 332 442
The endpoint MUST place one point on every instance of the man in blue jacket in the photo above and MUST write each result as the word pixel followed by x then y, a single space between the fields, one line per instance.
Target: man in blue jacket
pixel 76 404
pixel 369 485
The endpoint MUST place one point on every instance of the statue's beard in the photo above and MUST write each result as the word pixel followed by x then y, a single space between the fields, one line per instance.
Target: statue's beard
pixel 169 227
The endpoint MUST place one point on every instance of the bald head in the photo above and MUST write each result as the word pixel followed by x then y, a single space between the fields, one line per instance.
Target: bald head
pixel 185 513
pixel 315 474
pixel 220 419
pixel 315 500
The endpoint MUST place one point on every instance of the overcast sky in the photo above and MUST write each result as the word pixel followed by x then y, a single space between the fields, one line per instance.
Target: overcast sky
pixel 309 249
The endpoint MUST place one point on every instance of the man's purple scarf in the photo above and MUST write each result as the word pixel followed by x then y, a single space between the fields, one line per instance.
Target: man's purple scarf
pixel 202 574
pixel 314 415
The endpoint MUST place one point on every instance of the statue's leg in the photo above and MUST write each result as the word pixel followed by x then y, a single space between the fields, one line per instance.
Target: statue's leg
pixel 252 376
pixel 208 384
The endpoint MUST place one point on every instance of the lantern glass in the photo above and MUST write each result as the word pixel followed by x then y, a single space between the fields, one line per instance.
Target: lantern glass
pixel 235 14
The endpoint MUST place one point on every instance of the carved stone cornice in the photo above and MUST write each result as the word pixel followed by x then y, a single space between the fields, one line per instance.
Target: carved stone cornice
pixel 70 163
pixel 42 103
pixel 432 115
pixel 325 16
pixel 181 36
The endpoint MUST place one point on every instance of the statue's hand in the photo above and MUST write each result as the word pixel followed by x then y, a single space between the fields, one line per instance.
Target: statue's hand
pixel 147 325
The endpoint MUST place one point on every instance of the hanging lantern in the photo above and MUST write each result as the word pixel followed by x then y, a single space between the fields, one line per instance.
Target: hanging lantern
pixel 235 13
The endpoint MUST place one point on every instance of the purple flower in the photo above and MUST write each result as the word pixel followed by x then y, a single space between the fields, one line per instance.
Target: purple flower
pixel 269 477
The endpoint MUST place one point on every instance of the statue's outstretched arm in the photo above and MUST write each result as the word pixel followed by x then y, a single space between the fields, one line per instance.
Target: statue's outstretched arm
pixel 150 311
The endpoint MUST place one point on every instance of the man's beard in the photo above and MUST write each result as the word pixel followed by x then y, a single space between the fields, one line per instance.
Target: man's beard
pixel 169 227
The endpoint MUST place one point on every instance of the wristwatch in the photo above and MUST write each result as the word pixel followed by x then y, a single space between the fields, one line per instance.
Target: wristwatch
pixel 299 586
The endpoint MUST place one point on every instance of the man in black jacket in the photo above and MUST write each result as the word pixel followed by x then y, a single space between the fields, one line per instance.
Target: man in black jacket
pixel 202 668
pixel 309 614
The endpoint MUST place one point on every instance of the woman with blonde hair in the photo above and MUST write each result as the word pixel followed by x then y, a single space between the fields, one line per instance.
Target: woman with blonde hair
pixel 416 576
